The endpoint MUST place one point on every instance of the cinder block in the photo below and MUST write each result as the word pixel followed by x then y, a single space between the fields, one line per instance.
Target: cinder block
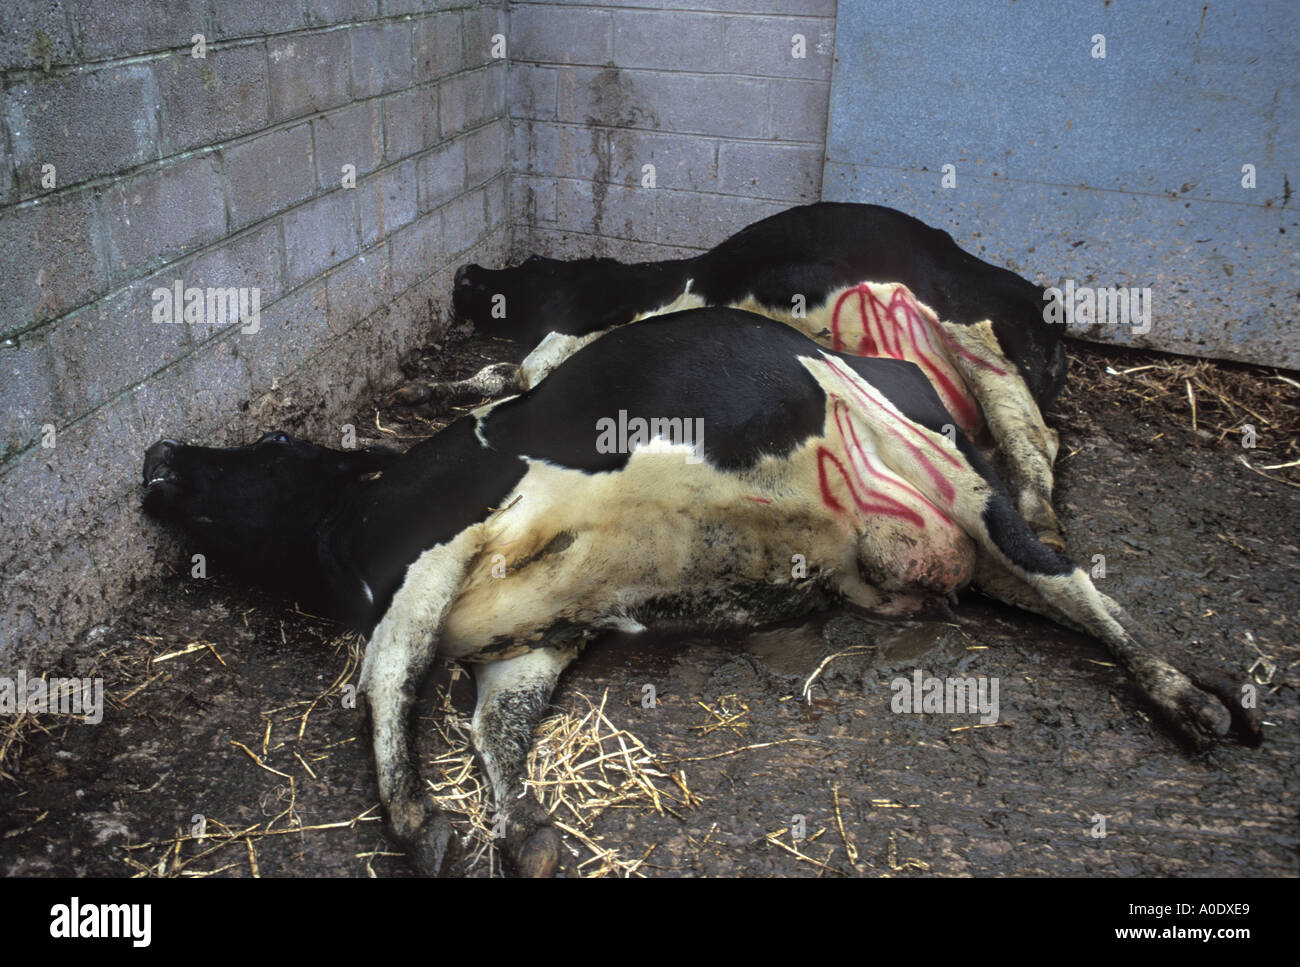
pixel 668 41
pixel 359 287
pixel 293 330
pixel 467 100
pixel 269 173
pixel 765 46
pixel 388 201
pixel 781 171
pixel 438 46
pixel 351 136
pixel 110 28
pixel 391 8
pixel 29 390
pixel 162 214
pixel 382 59
pixel 485 152
pixel 308 73
pixel 678 102
pixel 441 175
pixel 680 161
pixel 482 23
pixel 532 200
pixel 416 251
pixel 36 34
pixel 532 91
pixel 76 123
pixel 52 262
pixel 676 218
pixel 114 343
pixel 324 13
pixel 495 192
pixel 319 234
pixel 545 34
pixel 214 99
pixel 250 260
pixel 251 19
pixel 7 192
pixel 464 223
pixel 797 110
pixel 563 150
pixel 410 122
pixel 781 8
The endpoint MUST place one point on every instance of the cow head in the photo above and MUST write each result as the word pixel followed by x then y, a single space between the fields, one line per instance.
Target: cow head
pixel 517 302
pixel 256 509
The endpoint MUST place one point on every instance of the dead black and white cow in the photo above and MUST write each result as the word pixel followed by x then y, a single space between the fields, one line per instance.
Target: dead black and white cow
pixel 612 496
pixel 862 279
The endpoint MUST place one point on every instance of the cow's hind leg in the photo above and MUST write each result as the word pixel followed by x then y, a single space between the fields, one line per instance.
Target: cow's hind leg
pixel 398 657
pixel 513 695
pixel 1028 445
pixel 1198 707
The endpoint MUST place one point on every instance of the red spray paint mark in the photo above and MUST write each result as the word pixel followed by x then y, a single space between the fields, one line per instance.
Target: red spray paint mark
pixel 887 506
pixel 761 500
pixel 899 329
pixel 966 354
pixel 892 420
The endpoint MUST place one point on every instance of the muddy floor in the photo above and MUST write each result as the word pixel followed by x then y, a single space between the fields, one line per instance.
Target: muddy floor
pixel 230 744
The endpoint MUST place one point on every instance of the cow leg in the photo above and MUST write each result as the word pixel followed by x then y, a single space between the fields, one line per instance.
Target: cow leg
pixel 499 379
pixel 1027 444
pixel 491 382
pixel 513 695
pixel 971 498
pixel 398 657
pixel 1198 707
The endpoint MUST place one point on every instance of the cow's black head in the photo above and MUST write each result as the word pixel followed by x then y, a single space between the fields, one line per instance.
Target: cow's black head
pixel 255 509
pixel 523 302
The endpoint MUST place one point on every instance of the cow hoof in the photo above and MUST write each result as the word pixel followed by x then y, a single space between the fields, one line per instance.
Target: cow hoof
pixel 1247 722
pixel 436 849
pixel 412 394
pixel 532 845
pixel 539 856
pixel 1053 539
pixel 1198 717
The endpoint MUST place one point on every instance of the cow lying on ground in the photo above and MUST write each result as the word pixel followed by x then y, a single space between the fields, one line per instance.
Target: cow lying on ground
pixel 521 531
pixel 862 279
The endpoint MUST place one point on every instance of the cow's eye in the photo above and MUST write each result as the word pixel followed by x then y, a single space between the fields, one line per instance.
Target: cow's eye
pixel 275 436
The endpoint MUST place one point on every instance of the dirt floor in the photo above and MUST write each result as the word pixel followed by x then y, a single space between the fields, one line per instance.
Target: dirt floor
pixel 231 746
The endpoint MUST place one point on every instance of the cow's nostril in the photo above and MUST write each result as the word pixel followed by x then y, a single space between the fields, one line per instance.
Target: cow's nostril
pixel 157 460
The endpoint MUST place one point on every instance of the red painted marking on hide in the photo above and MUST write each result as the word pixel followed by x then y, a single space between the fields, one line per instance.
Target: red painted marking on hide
pixel 897 326
pixel 761 500
pixel 853 446
pixel 890 507
pixel 968 355
pixel 892 419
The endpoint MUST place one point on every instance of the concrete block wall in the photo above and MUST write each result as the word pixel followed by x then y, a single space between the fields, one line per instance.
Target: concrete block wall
pixel 127 164
pixel 709 92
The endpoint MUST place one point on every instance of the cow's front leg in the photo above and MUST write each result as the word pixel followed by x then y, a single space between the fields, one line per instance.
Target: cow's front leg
pixel 490 382
pixel 513 695
pixel 397 660
pixel 1027 444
